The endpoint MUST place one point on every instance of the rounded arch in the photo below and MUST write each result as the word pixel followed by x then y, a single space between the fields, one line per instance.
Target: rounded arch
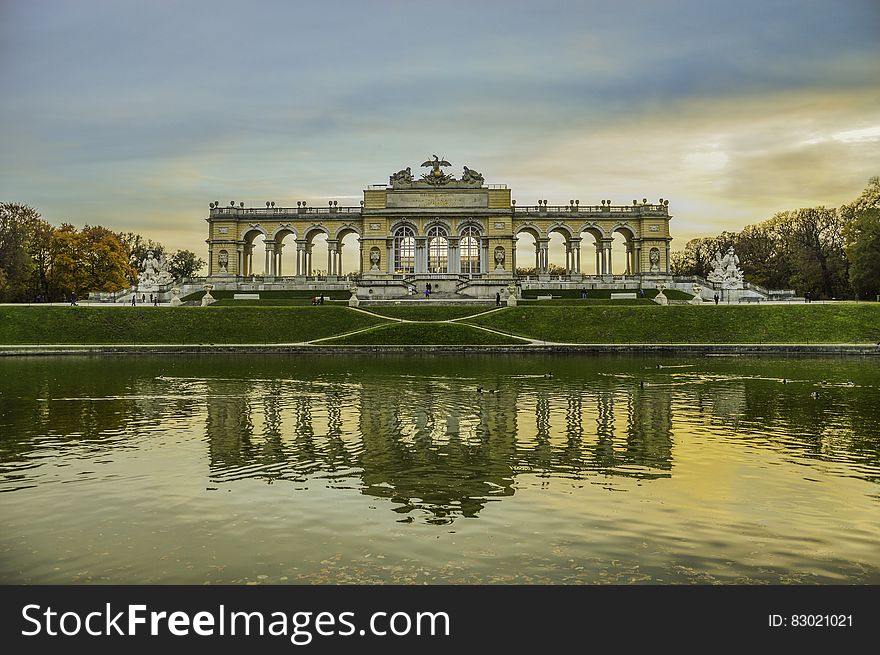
pixel 285 262
pixel 251 265
pixel 532 230
pixel 310 233
pixel 438 247
pixel 469 248
pixel 469 224
pixel 282 232
pixel 404 248
pixel 561 228
pixel 251 232
pixel 446 226
pixel 627 230
pixel 402 222
pixel 594 229
pixel 622 238
pixel 347 229
pixel 526 250
pixel 590 260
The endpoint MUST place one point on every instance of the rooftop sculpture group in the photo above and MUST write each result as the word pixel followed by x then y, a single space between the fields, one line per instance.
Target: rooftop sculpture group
pixel 435 177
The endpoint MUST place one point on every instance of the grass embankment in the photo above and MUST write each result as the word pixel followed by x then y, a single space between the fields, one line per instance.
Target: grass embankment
pixel 578 302
pixel 427 312
pixel 844 323
pixel 428 334
pixel 271 302
pixel 601 294
pixel 185 325
pixel 303 294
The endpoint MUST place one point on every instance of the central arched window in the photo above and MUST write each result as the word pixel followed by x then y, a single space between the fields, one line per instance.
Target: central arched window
pixel 469 249
pixel 438 250
pixel 404 250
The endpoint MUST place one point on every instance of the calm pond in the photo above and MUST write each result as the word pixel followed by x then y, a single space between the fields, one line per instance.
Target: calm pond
pixel 439 469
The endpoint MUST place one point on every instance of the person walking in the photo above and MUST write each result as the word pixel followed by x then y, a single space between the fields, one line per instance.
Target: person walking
pixel 133 299
pixel 716 298
pixel 498 299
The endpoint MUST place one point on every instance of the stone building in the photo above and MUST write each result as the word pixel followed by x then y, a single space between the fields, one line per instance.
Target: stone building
pixel 457 233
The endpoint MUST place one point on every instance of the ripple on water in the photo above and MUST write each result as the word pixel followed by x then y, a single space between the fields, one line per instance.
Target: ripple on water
pixel 612 471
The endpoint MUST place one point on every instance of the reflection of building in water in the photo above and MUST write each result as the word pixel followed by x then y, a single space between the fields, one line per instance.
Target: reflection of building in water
pixel 725 401
pixel 436 447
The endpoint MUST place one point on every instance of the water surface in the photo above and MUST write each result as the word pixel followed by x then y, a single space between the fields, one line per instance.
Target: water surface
pixel 447 469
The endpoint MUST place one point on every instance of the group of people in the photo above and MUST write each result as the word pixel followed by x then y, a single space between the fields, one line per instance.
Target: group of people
pixel 154 299
pixel 318 300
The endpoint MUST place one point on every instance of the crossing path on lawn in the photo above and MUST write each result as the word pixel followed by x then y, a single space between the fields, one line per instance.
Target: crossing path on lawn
pixel 395 319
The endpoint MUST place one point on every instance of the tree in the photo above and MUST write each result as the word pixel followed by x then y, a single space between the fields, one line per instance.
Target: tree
pixel 15 261
pixel 184 263
pixel 92 260
pixel 863 249
pixel 106 260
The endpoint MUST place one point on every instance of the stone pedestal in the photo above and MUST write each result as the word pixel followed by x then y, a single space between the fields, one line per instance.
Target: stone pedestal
pixel 511 297
pixel 353 301
pixel 660 298
pixel 207 299
pixel 175 297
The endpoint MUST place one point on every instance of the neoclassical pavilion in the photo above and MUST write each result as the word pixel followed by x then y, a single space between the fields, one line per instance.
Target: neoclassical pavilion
pixel 456 231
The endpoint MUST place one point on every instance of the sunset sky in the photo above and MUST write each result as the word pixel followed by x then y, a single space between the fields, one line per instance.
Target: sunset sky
pixel 136 115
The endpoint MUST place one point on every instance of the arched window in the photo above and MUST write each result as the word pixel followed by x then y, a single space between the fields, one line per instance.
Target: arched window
pixel 469 249
pixel 438 250
pixel 404 250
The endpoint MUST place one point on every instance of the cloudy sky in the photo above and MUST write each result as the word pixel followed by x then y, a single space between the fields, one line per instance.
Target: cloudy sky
pixel 136 115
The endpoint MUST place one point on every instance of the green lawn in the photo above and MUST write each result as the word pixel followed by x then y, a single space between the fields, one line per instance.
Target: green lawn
pixel 428 334
pixel 844 323
pixel 834 323
pixel 117 325
pixel 428 312
pixel 273 302
pixel 605 294
pixel 306 294
pixel 578 302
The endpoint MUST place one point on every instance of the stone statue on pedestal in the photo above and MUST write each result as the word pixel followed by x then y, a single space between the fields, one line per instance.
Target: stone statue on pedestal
pixel 726 270
pixel 154 272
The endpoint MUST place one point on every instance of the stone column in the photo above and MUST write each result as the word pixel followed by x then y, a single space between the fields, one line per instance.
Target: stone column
pixel 421 261
pixel 577 255
pixel 454 264
pixel 331 257
pixel 389 255
pixel 667 258
pixel 210 261
pixel 301 259
pixel 598 259
pixel 267 270
pixel 279 248
pixel 239 260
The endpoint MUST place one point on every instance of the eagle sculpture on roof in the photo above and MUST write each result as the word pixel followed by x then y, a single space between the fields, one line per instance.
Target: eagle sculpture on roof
pixel 436 175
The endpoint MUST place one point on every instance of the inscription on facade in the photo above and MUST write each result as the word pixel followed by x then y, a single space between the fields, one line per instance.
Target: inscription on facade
pixel 499 226
pixel 409 200
pixel 375 226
